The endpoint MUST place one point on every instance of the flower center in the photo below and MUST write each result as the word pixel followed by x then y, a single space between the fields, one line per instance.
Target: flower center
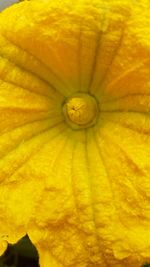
pixel 81 110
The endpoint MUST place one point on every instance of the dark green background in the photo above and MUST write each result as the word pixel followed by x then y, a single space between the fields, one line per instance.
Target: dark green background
pixel 23 254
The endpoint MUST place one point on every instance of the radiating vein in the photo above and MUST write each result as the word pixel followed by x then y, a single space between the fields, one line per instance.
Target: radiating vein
pixel 107 172
pixel 28 123
pixel 72 180
pixel 129 160
pixel 31 138
pixel 114 54
pixel 10 81
pixel 133 128
pixel 19 109
pixel 125 74
pixel 136 171
pixel 126 111
pixel 79 226
pixel 79 55
pixel 123 97
pixel 97 52
pixel 21 165
pixel 133 145
pixel 42 63
pixel 91 196
pixel 27 71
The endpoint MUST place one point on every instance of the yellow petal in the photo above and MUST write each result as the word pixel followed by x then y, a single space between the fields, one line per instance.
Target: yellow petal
pixel 75 130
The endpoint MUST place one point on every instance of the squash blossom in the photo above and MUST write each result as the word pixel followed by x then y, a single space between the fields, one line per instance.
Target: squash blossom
pixel 75 131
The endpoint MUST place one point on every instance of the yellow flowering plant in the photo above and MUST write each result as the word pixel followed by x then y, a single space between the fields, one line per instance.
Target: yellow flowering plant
pixel 75 131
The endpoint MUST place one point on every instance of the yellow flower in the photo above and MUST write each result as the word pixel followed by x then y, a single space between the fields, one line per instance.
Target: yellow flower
pixel 75 130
